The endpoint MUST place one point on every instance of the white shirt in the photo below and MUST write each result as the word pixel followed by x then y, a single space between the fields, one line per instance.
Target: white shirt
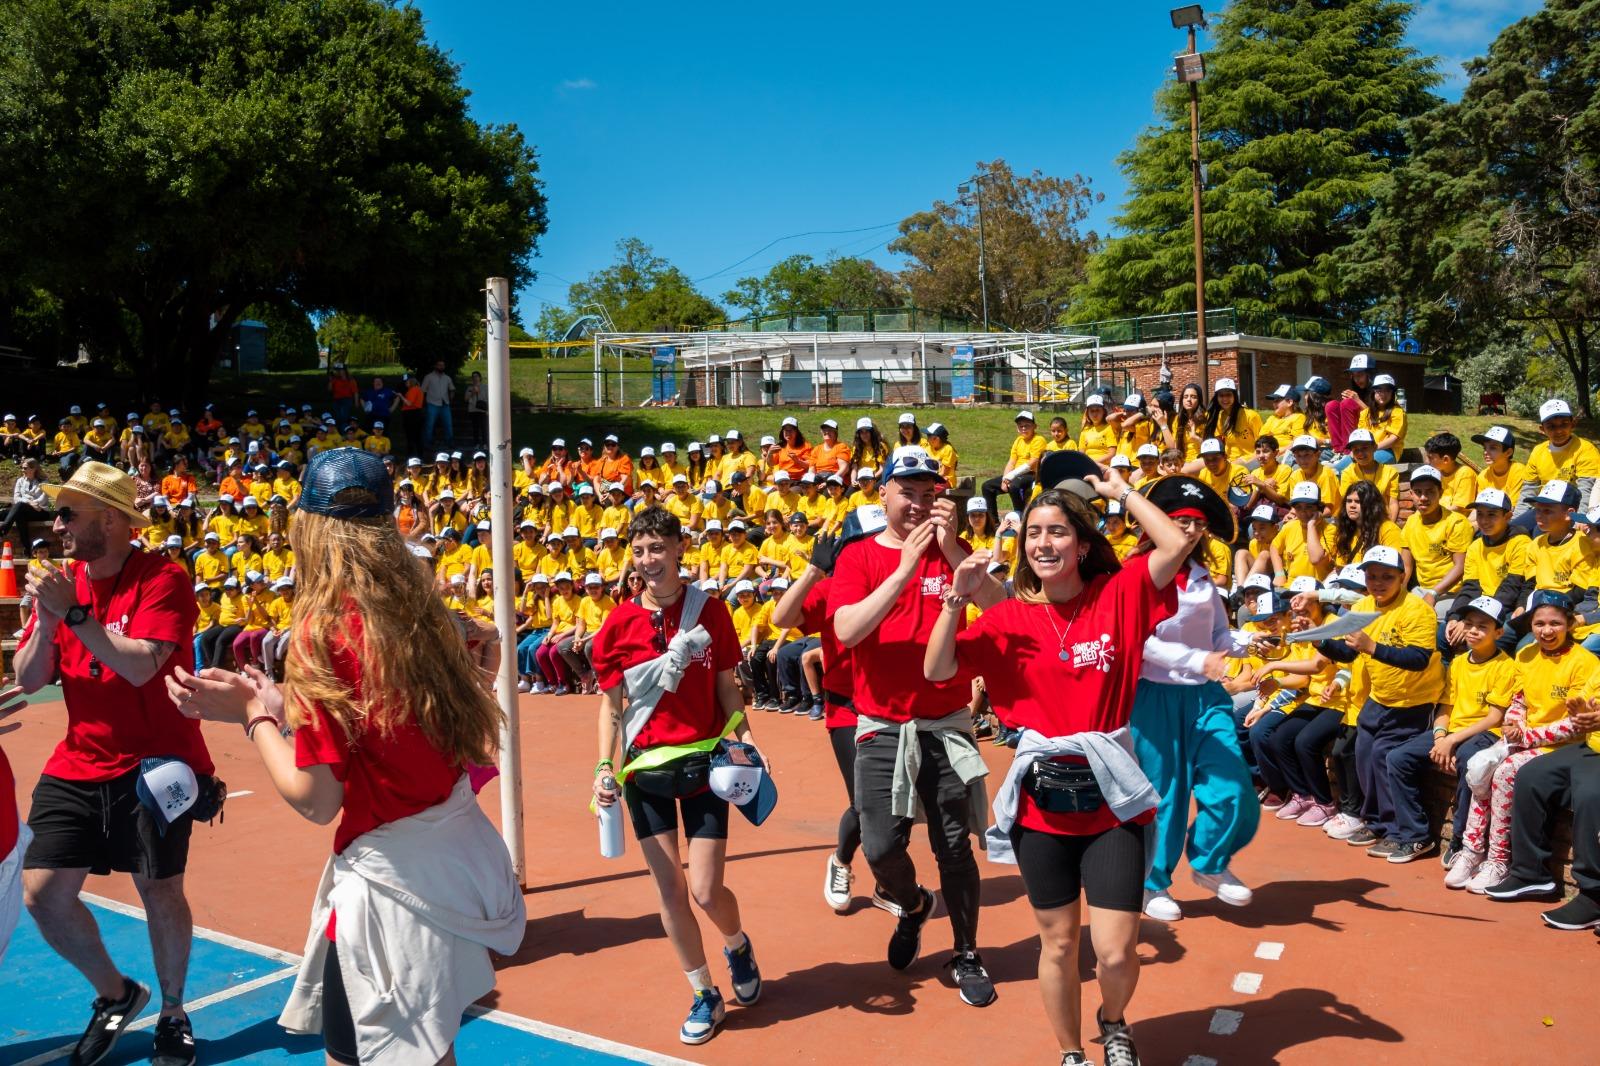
pixel 1175 654
pixel 437 387
pixel 28 491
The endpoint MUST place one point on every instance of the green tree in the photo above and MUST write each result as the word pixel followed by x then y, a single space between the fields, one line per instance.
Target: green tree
pixel 291 341
pixel 641 292
pixel 1493 224
pixel 800 283
pixel 1034 251
pixel 1300 118
pixel 355 340
pixel 166 164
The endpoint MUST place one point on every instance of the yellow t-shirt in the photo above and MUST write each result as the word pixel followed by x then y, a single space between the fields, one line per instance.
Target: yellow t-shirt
pixel 593 613
pixel 1489 565
pixel 377 444
pixel 1474 687
pixel 280 614
pixel 1291 545
pixel 525 557
pixel 1388 534
pixel 232 608
pixel 287 487
pixel 1577 459
pixel 1548 682
pixel 1099 441
pixel 736 557
pixel 1284 429
pixel 534 608
pixel 1282 477
pixel 1024 452
pixel 1325 479
pixel 1240 443
pixel 452 562
pixel 564 610
pixel 1392 421
pixel 1123 545
pixel 1383 477
pixel 1460 489
pixel 749 620
pixel 1412 623
pixel 685 507
pixel 1219 561
pixel 799 554
pixel 588 519
pixel 552 563
pixel 244 562
pixel 948 462
pixel 1433 546
pixel 1509 482
pixel 278 562
pixel 616 517
pixel 208 616
pixel 610 561
pixel 1232 476
pixel 721 510
pixel 211 567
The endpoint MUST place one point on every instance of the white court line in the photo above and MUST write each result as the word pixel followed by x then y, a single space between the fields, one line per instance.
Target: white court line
pixel 292 962
pixel 1225 1022
pixel 1269 950
pixel 1247 984
pixel 241 792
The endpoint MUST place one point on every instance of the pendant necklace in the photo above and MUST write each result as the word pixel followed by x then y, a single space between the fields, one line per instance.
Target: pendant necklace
pixel 1061 638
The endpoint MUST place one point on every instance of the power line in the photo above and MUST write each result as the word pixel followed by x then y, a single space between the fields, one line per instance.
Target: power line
pixel 790 237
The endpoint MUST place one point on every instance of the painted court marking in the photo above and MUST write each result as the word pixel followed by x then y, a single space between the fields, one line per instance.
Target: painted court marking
pixel 241 792
pixel 1226 1022
pixel 1269 950
pixel 290 964
pixel 1247 984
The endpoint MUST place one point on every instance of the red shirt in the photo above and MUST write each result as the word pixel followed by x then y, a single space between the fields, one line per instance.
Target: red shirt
pixel 886 678
pixel 1018 648
pixel 111 725
pixel 692 713
pixel 835 656
pixel 385 778
pixel 343 388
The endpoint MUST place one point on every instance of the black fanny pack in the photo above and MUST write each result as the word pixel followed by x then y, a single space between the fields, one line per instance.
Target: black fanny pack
pixel 1063 788
pixel 682 777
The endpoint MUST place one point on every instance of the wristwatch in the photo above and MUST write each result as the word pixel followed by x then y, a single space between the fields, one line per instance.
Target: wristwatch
pixel 76 615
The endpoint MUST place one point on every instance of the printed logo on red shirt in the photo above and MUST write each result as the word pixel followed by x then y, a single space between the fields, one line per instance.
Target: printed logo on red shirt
pixel 1098 654
pixel 934 586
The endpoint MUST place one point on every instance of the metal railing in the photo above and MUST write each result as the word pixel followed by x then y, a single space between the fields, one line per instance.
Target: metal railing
pixel 1148 329
pixel 850 320
pixel 1047 387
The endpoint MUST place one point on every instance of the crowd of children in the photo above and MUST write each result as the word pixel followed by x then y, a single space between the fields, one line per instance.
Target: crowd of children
pixel 1479 657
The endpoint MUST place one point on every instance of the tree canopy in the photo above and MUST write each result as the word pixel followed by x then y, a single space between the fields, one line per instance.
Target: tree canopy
pixel 1034 250
pixel 1492 226
pixel 166 164
pixel 1301 117
pixel 800 283
pixel 639 291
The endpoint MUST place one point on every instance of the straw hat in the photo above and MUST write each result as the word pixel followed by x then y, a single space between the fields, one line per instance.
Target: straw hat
pixel 104 483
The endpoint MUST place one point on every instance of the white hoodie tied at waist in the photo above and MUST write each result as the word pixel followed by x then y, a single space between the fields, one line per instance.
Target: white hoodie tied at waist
pixel 954 731
pixel 421 902
pixel 1126 789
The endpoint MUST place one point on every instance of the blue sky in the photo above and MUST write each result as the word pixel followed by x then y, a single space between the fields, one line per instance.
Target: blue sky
pixel 711 130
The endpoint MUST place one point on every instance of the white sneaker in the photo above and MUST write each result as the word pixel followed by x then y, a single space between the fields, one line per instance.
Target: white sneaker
pixel 540 688
pixel 523 686
pixel 1228 888
pixel 1491 873
pixel 1162 907
pixel 1462 869
pixel 836 885
pixel 1342 826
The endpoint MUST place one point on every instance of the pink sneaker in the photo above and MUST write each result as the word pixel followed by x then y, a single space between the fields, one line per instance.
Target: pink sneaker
pixel 1294 808
pixel 1317 814
pixel 1272 801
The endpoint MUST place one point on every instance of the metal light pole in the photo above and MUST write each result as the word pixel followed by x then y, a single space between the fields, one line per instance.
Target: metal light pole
pixel 983 276
pixel 1190 68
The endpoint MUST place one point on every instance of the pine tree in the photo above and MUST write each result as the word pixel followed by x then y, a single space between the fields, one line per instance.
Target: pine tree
pixel 1300 119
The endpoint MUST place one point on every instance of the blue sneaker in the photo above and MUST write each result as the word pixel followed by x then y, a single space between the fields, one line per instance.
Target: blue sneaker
pixel 745 973
pixel 816 712
pixel 704 1016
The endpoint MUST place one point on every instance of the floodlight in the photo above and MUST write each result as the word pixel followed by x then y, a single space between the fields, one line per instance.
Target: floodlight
pixel 1192 15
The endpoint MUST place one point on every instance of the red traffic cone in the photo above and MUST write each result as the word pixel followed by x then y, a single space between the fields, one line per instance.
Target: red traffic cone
pixel 8 573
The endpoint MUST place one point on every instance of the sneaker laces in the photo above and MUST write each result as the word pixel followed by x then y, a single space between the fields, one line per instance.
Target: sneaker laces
pixel 838 878
pixel 966 964
pixel 1119 1047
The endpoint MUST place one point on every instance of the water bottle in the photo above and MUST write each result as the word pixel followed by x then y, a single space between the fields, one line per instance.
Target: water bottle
pixel 610 822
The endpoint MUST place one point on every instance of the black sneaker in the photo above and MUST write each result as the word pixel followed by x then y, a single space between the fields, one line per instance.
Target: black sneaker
pixel 1579 912
pixel 1118 1042
pixel 1411 850
pixel 972 979
pixel 1382 848
pixel 1447 855
pixel 174 1043
pixel 111 1019
pixel 1514 887
pixel 906 940
pixel 1361 838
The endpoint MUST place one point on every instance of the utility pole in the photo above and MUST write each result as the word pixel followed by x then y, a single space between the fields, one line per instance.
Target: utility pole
pixel 1190 69
pixel 983 274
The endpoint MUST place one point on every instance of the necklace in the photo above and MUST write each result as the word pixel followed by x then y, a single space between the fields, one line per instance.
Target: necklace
pixel 1061 638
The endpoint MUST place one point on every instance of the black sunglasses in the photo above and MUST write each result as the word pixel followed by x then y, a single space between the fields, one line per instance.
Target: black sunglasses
pixel 69 514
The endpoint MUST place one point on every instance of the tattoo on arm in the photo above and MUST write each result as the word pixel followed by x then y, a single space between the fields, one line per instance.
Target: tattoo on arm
pixel 158 650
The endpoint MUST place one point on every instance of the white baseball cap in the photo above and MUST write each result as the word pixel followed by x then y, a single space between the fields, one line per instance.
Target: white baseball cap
pixel 1495 498
pixel 1500 435
pixel 1224 385
pixel 713 525
pixel 608 533
pixel 1382 555
pixel 1264 513
pixel 907 419
pixel 563 575
pixel 1096 400
pixel 742 586
pixel 1426 473
pixel 1487 605
pixel 1360 436
pixel 570 531
pixel 1148 451
pixel 1305 492
pixel 1211 446
pixel 737 523
pixel 1304 583
pixel 977 504
pixel 680 479
pixel 1120 462
pixel 1305 440
pixel 592 578
pixel 791 421
pixel 1258 581
pixel 1383 381
pixel 828 423
pixel 864 423
pixel 768 439
pixel 1556 408
pixel 1361 361
pixel 781 475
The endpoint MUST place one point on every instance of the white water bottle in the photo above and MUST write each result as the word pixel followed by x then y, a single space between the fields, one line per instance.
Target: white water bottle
pixel 610 822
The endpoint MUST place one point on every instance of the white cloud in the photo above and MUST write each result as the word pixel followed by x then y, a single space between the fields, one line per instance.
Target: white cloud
pixel 577 85
pixel 1454 27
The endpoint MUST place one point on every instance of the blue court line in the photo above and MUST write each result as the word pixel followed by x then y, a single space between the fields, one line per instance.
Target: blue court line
pixel 235 992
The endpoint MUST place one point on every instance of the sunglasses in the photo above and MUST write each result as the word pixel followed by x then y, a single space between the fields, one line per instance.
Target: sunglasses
pixel 69 514
pixel 658 622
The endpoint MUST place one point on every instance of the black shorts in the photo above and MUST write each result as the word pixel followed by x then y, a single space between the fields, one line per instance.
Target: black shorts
pixel 338 1023
pixel 1108 867
pixel 705 814
pixel 102 825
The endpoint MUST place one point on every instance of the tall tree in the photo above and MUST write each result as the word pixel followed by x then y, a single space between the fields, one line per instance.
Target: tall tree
pixel 800 283
pixel 1300 117
pixel 166 164
pixel 1493 225
pixel 641 291
pixel 1034 250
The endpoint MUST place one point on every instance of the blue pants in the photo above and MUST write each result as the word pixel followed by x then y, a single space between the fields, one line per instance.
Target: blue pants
pixel 440 413
pixel 199 656
pixel 1267 768
pixel 1187 745
pixel 1379 731
pixel 527 647
pixel 341 413
pixel 1408 768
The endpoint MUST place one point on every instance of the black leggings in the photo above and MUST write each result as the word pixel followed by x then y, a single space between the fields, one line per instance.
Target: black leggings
pixel 1021 488
pixel 843 739
pixel 1351 797
pixel 1107 867
pixel 338 1024
pixel 217 642
pixel 1299 748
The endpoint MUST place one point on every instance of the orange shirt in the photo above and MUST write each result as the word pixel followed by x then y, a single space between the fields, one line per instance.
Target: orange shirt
pixel 793 461
pixel 618 469
pixel 175 487
pixel 830 460
pixel 412 401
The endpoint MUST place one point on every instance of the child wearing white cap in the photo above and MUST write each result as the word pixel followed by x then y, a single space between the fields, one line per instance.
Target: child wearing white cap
pixel 1561 456
pixel 1385 419
pixel 868 449
pixel 1022 466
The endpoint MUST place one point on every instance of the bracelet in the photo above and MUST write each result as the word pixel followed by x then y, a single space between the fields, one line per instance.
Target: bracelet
pixel 1123 499
pixel 1440 732
pixel 250 727
pixel 955 602
pixel 603 764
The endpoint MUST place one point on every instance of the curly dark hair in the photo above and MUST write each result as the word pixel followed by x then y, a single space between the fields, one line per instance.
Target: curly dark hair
pixel 655 522
pixel 1351 537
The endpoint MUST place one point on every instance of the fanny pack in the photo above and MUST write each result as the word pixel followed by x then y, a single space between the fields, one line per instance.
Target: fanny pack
pixel 677 779
pixel 1063 788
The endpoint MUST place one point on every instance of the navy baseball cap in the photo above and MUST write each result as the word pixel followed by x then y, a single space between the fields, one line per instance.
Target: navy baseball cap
pixel 334 471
